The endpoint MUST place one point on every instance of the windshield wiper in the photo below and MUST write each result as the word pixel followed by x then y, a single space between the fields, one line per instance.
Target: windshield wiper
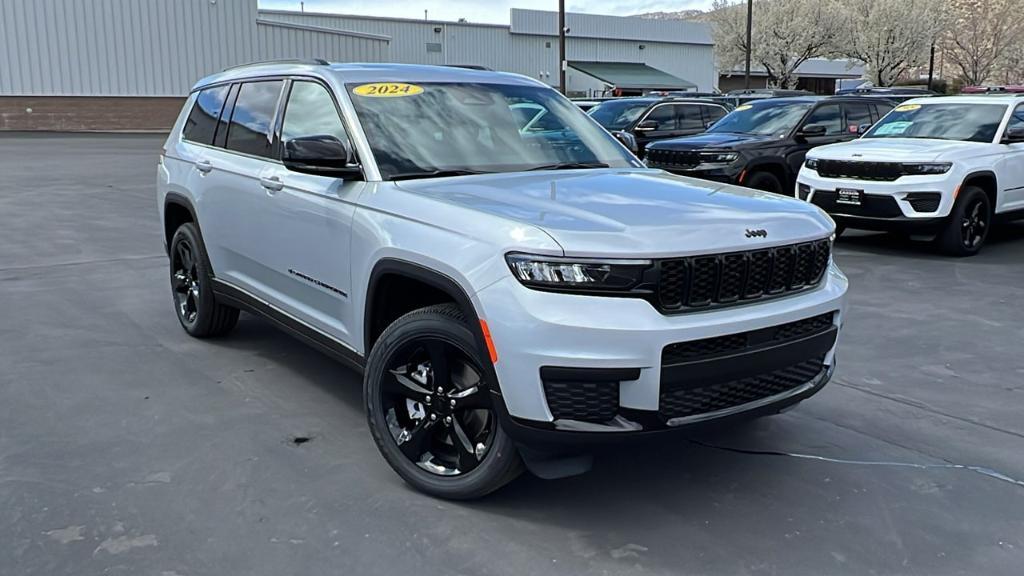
pixel 568 166
pixel 435 174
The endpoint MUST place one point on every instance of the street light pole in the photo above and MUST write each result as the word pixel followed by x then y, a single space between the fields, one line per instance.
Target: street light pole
pixel 561 46
pixel 931 67
pixel 750 26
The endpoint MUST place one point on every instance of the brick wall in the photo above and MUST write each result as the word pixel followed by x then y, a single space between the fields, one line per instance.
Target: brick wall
pixel 89 113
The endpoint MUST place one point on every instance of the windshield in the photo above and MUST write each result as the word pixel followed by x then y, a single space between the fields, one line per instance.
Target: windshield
pixel 434 129
pixel 766 118
pixel 967 122
pixel 617 115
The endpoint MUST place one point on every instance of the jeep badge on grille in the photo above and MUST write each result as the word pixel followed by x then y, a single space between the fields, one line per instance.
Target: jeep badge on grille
pixel 759 233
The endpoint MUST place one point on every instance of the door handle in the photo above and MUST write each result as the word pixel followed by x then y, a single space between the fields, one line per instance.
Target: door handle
pixel 272 183
pixel 204 166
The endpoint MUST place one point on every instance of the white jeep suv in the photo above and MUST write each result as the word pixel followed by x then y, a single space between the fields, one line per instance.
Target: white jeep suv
pixel 510 295
pixel 947 166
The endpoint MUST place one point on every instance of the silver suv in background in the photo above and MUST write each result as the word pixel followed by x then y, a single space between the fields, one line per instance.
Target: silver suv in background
pixel 513 290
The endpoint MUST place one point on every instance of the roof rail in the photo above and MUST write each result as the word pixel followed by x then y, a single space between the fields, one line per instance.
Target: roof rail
pixel 309 61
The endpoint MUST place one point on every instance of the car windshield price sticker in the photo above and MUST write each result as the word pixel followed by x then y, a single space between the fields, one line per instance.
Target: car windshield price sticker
pixel 907 107
pixel 744 107
pixel 387 90
pixel 890 128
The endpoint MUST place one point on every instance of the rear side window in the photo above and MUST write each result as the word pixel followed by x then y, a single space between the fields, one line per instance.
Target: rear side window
pixel 688 117
pixel 857 113
pixel 250 129
pixel 202 121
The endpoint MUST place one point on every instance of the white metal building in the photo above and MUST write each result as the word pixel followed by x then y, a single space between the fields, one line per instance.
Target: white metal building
pixel 126 64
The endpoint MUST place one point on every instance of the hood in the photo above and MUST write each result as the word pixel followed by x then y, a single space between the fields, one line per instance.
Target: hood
pixel 633 212
pixel 891 149
pixel 714 140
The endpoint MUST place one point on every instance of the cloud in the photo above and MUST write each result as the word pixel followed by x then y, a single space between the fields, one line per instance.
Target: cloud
pixel 490 11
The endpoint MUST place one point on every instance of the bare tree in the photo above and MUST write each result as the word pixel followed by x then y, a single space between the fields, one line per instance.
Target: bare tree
pixel 786 34
pixel 889 37
pixel 980 33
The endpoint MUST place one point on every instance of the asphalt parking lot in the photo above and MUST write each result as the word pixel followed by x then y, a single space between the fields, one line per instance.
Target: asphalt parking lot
pixel 127 447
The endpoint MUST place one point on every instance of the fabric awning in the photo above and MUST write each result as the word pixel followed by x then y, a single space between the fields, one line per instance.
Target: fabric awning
pixel 632 76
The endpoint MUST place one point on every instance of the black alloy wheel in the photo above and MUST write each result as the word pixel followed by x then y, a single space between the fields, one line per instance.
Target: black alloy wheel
pixel 196 305
pixel 974 224
pixel 437 411
pixel 431 408
pixel 185 283
pixel 968 225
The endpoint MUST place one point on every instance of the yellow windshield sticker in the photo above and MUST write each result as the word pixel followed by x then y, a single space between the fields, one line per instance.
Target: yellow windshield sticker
pixel 387 90
pixel 907 107
pixel 744 107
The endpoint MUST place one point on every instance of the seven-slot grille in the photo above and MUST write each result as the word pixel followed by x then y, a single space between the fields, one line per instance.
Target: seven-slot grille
pixel 880 171
pixel 723 279
pixel 678 159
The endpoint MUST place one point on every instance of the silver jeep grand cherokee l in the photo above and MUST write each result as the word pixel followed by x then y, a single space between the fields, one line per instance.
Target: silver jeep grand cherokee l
pixel 512 291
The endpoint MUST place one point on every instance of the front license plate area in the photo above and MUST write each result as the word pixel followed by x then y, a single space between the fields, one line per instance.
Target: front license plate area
pixel 849 196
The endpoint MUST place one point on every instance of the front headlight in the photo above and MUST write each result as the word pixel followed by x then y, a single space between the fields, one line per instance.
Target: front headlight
pixel 718 157
pixel 922 168
pixel 811 163
pixel 576 274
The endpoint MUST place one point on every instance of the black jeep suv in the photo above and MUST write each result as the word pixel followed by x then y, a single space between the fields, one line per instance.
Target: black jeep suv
pixel 762 144
pixel 650 119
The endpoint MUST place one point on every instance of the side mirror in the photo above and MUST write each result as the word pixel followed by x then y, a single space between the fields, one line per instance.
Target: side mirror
pixel 322 155
pixel 1014 136
pixel 647 126
pixel 863 128
pixel 627 139
pixel 812 130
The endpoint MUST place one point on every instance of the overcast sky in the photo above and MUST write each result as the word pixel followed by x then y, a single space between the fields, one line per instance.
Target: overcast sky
pixel 492 11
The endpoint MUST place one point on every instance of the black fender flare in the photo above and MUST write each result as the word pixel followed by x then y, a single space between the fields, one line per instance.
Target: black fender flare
pixel 435 279
pixel 177 199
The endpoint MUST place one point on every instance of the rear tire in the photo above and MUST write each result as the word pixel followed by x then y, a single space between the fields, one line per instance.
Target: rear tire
pixel 428 403
pixel 198 310
pixel 765 181
pixel 968 224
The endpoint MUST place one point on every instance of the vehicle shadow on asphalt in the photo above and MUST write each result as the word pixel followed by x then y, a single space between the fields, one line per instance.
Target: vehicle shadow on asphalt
pixel 1003 239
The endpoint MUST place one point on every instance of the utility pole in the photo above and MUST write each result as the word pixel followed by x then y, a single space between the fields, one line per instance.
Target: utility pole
pixel 750 27
pixel 561 46
pixel 931 66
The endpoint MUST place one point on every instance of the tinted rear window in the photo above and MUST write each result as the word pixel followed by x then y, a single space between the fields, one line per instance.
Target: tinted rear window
pixel 250 130
pixel 202 121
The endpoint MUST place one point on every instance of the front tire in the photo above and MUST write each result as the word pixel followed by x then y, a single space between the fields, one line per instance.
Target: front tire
pixel 765 181
pixel 429 406
pixel 968 225
pixel 199 312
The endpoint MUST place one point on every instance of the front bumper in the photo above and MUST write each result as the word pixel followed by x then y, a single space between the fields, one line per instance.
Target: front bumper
pixel 536 332
pixel 910 202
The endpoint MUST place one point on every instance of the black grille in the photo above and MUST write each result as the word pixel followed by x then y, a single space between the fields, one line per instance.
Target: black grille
pixel 719 280
pixel 877 171
pixel 872 206
pixel 585 401
pixel 673 159
pixel 924 201
pixel 692 401
pixel 681 352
